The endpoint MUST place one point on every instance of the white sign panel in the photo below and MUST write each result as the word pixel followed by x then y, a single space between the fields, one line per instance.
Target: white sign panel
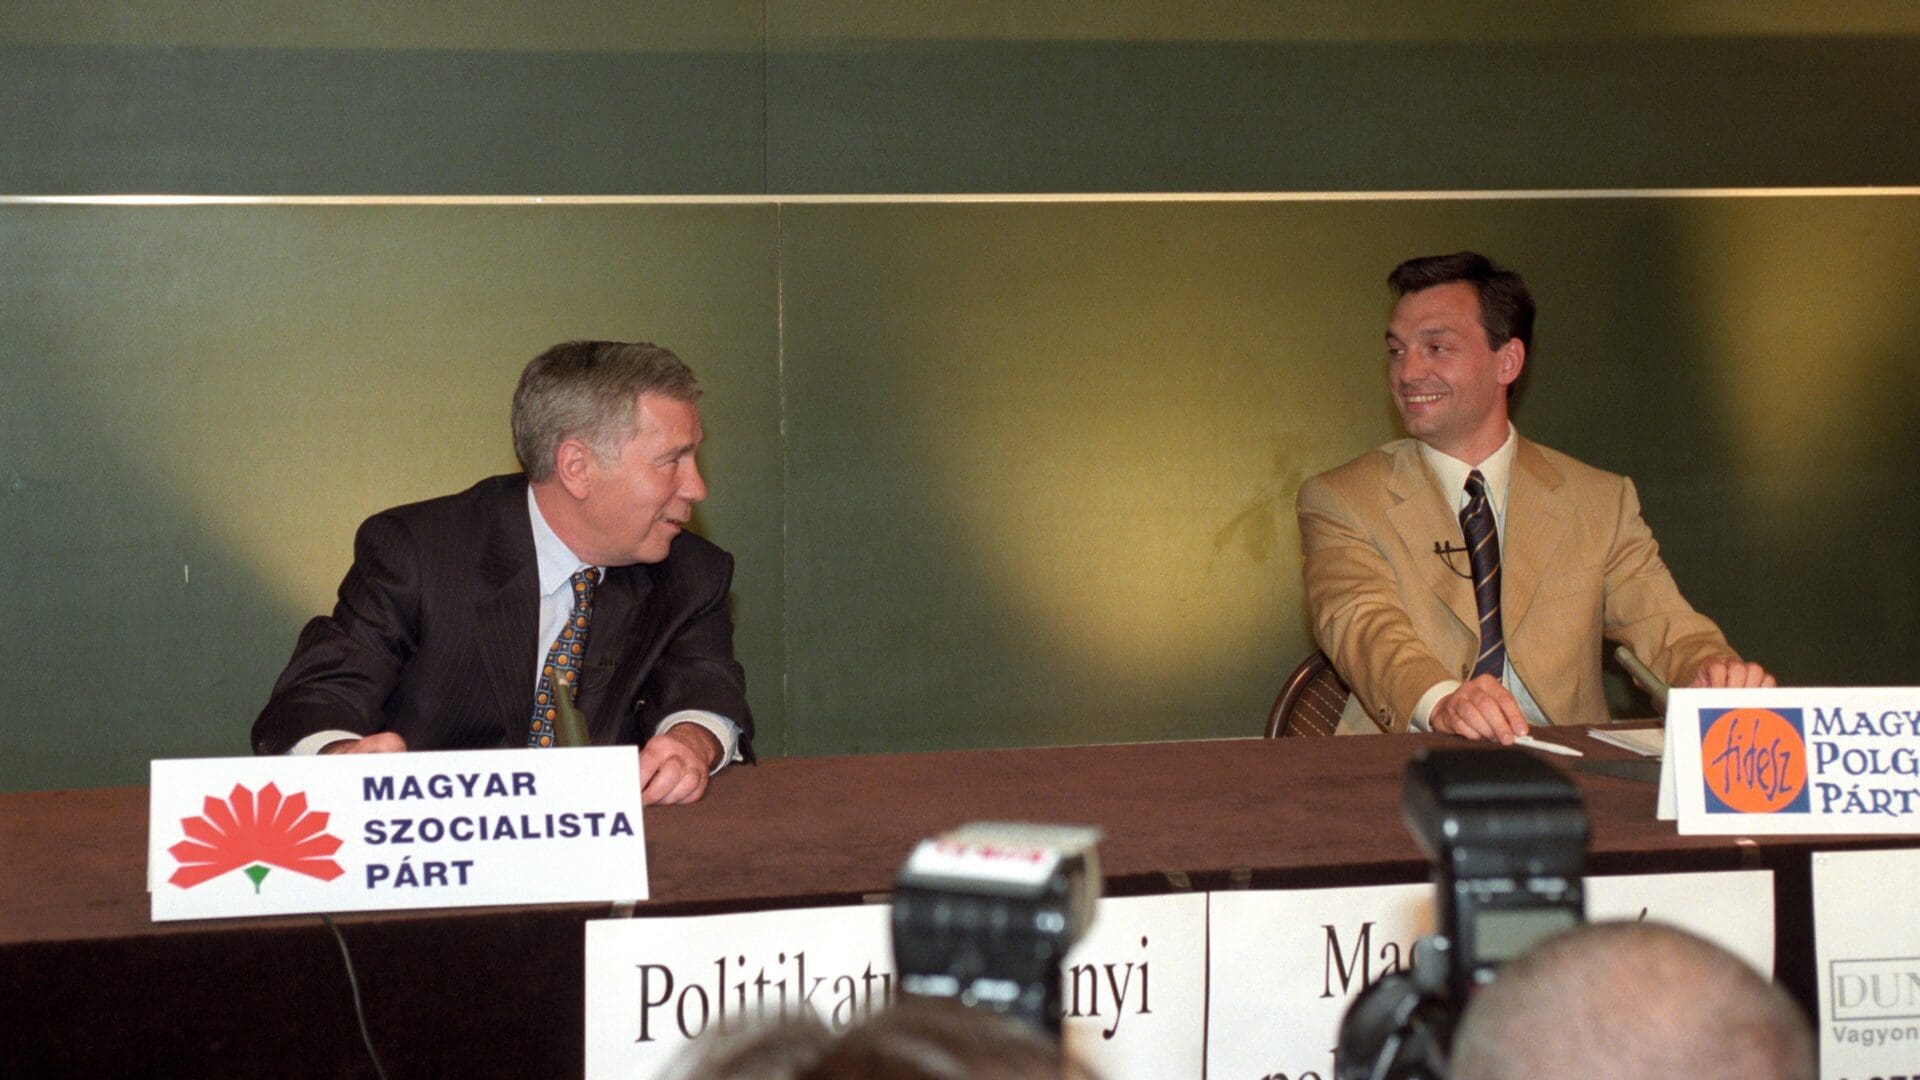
pixel 363 832
pixel 1134 992
pixel 1731 908
pixel 1747 762
pixel 1285 964
pixel 1867 962
pixel 655 985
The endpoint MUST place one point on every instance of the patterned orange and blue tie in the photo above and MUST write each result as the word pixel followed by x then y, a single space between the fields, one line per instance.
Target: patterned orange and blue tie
pixel 1483 550
pixel 563 659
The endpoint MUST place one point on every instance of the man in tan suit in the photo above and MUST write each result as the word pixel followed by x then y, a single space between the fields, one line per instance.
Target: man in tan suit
pixel 1462 579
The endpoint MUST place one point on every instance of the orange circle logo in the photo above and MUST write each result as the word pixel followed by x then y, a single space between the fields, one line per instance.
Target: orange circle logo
pixel 1753 760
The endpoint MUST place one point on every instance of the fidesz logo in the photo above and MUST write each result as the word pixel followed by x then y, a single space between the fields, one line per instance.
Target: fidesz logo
pixel 255 832
pixel 1754 761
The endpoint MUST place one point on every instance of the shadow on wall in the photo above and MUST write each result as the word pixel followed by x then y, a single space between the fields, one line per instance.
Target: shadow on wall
pixel 1762 383
pixel 134 627
pixel 1812 318
pixel 1075 432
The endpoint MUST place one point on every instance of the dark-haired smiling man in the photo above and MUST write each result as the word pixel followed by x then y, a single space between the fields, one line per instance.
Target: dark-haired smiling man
pixel 1462 579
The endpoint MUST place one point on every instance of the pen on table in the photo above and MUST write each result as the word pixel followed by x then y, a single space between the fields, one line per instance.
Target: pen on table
pixel 1532 743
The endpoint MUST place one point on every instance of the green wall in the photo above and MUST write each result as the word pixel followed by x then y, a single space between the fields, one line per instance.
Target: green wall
pixel 728 96
pixel 1041 459
pixel 200 405
pixel 996 473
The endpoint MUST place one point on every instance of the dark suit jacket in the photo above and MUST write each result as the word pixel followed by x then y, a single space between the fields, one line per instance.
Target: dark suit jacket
pixel 433 636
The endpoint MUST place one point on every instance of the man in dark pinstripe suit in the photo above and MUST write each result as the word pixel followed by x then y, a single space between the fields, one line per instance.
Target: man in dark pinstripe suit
pixel 447 630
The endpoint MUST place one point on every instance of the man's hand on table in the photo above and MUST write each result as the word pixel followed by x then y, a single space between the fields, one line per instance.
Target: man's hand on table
pixel 1480 709
pixel 380 742
pixel 1724 671
pixel 675 764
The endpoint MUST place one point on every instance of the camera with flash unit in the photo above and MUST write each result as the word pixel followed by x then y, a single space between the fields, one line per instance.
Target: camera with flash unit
pixel 1507 837
pixel 985 915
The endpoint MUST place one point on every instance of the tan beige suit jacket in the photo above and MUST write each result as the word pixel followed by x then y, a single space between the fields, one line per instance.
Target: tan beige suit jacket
pixel 1578 564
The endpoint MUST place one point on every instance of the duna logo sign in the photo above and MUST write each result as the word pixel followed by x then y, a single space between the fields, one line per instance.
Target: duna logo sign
pixel 255 831
pixel 1754 761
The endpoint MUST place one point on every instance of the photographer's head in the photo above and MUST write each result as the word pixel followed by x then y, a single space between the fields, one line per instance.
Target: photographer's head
pixel 1631 999
pixel 918 1039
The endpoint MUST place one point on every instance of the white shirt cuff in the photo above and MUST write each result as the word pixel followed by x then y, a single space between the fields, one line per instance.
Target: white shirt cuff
pixel 722 729
pixel 1423 708
pixel 319 740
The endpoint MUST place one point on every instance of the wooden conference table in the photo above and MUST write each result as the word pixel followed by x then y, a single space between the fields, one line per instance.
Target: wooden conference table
pixel 92 987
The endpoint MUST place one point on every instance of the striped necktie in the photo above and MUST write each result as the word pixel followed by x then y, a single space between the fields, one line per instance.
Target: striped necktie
pixel 1483 549
pixel 563 659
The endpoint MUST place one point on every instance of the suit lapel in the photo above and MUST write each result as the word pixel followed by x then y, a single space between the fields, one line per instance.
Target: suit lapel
pixel 619 609
pixel 1421 515
pixel 507 613
pixel 1537 521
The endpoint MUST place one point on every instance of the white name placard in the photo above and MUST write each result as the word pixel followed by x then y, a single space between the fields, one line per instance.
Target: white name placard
pixel 1287 963
pixel 1867 962
pixel 361 832
pixel 1748 762
pixel 1133 990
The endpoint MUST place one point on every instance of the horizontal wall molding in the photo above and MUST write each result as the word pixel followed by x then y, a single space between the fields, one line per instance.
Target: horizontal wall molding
pixel 1493 195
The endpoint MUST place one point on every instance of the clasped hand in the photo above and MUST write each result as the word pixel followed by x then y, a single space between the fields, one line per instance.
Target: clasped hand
pixel 1480 709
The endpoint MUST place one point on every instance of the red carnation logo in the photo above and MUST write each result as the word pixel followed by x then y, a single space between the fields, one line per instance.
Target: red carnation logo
pixel 249 830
